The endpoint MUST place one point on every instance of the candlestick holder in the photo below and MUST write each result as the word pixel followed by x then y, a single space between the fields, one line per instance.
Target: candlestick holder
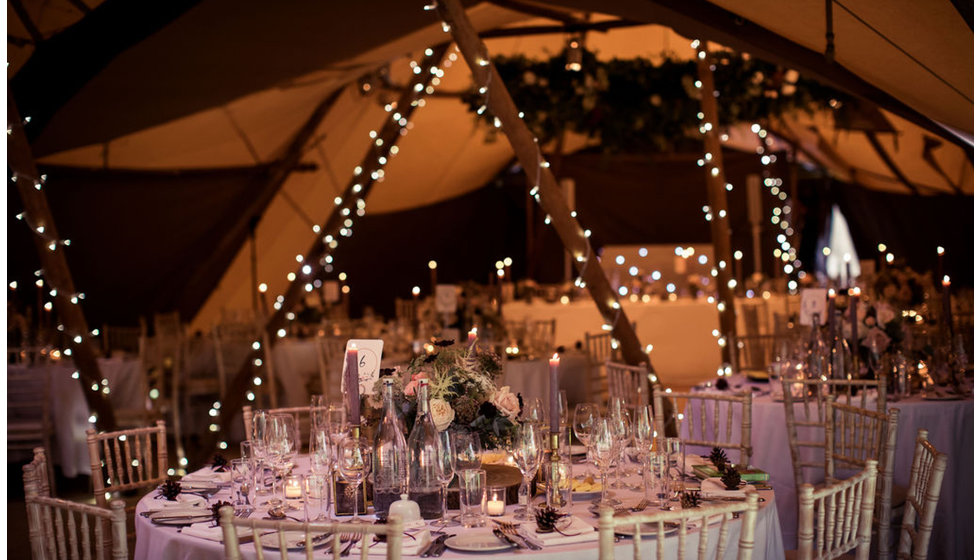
pixel 557 477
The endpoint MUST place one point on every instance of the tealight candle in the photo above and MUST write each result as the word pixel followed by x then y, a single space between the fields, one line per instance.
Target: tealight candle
pixel 496 502
pixel 293 488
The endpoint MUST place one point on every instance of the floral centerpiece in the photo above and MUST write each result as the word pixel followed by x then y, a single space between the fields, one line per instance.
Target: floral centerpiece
pixel 463 394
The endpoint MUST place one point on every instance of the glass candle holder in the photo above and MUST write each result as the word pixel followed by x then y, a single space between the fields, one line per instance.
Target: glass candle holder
pixel 496 501
pixel 292 487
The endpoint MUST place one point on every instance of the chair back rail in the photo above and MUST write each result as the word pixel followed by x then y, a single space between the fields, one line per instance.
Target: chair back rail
pixel 746 511
pixel 855 435
pixel 230 526
pixel 127 459
pixel 837 518
pixel 61 529
pixel 925 484
pixel 630 383
pixel 712 432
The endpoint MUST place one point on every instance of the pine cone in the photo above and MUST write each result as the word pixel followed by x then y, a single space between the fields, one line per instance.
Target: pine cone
pixel 691 499
pixel 219 463
pixel 731 478
pixel 215 508
pixel 718 458
pixel 170 490
pixel 546 518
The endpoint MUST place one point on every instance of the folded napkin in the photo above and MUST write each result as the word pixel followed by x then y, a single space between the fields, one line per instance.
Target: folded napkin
pixel 578 531
pixel 692 459
pixel 189 512
pixel 184 501
pixel 410 547
pixel 715 488
pixel 206 476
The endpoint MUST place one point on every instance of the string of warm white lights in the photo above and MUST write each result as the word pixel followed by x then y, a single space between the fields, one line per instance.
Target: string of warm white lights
pixel 781 211
pixel 353 203
pixel 534 191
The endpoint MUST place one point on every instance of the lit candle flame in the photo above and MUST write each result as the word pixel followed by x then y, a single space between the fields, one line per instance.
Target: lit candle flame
pixel 946 280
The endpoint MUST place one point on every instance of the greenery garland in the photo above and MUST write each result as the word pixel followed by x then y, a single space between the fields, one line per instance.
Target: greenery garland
pixel 634 106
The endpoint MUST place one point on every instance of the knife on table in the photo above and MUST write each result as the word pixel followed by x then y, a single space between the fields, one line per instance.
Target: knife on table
pixel 433 545
pixel 507 538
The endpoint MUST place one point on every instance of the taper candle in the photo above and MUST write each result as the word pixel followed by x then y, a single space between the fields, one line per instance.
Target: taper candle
pixel 352 386
pixel 947 307
pixel 555 417
pixel 855 296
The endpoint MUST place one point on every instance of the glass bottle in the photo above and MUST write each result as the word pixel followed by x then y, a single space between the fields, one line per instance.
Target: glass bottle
pixel 840 353
pixel 423 453
pixel 816 352
pixel 390 454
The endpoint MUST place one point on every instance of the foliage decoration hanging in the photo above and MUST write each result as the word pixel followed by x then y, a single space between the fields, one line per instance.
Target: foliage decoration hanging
pixel 632 105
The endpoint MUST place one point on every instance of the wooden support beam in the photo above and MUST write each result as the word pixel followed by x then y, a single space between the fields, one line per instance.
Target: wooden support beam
pixel 37 214
pixel 889 162
pixel 25 18
pixel 539 11
pixel 357 189
pixel 529 30
pixel 545 187
pixel 721 233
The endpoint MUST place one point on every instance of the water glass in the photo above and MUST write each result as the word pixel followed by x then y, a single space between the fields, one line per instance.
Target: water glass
pixel 467 450
pixel 656 479
pixel 316 492
pixel 473 497
pixel 676 464
pixel 241 481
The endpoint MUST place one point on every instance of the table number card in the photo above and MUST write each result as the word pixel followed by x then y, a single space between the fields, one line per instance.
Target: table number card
pixel 813 301
pixel 446 298
pixel 368 363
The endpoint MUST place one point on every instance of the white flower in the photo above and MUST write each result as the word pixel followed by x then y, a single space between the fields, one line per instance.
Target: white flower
pixel 442 414
pixel 506 402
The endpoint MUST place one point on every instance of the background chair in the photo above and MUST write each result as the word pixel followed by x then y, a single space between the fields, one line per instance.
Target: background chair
pixel 925 482
pixel 330 361
pixel 703 432
pixel 599 350
pixel 855 436
pixel 127 460
pixel 747 510
pixel 57 527
pixel 630 383
pixel 29 423
pixel 804 405
pixel 837 518
pixel 230 526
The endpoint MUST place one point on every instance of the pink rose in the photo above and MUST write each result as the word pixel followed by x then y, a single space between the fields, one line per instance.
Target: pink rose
pixel 412 385
pixel 506 402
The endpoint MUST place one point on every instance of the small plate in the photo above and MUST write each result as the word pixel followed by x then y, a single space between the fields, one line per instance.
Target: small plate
pixel 476 542
pixel 648 530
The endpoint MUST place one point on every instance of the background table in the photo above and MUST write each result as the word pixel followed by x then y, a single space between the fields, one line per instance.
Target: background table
pixel 531 378
pixel 167 543
pixel 70 412
pixel 950 425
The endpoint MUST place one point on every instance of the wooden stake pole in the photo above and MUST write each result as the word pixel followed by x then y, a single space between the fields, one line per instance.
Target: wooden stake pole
pixel 544 188
pixel 37 214
pixel 720 230
pixel 357 189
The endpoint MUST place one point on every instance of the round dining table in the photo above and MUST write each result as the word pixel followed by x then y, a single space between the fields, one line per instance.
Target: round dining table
pixel 164 542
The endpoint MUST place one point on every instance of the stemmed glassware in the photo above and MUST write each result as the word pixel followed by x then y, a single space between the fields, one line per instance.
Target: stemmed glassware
pixel 643 438
pixel 604 446
pixel 278 445
pixel 322 458
pixel 260 422
pixel 533 412
pixel 445 470
pixel 528 452
pixel 624 431
pixel 354 465
pixel 467 451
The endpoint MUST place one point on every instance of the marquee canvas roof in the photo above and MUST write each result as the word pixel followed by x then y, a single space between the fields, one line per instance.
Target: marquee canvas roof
pixel 161 120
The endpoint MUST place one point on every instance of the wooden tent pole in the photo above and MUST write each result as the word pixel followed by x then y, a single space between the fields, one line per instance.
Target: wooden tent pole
pixel 544 186
pixel 55 267
pixel 357 188
pixel 721 233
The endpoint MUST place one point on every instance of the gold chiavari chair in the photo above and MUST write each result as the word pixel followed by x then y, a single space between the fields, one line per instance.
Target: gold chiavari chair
pixel 837 518
pixel 925 483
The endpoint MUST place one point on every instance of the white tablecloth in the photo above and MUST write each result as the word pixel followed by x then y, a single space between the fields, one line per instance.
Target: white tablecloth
pixel 684 349
pixel 167 543
pixel 950 425
pixel 70 412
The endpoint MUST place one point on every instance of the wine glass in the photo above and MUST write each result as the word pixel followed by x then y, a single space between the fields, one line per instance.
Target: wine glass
pixel 621 423
pixel 467 451
pixel 533 412
pixel 445 470
pixel 582 420
pixel 354 465
pixel 603 444
pixel 278 442
pixel 643 428
pixel 318 412
pixel 337 423
pixel 528 451
pixel 260 422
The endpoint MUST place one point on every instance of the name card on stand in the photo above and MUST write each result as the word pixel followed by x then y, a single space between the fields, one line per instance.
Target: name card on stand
pixel 368 363
pixel 446 298
pixel 813 301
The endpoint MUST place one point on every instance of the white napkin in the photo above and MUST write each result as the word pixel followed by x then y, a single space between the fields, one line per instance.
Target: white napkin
pixel 184 501
pixel 715 488
pixel 691 459
pixel 205 477
pixel 410 547
pixel 579 529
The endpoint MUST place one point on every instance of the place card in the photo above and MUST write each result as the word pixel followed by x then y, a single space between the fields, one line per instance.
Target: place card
pixel 368 363
pixel 813 301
